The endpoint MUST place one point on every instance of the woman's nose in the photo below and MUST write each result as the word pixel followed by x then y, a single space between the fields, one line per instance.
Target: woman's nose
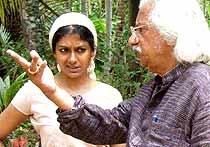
pixel 72 58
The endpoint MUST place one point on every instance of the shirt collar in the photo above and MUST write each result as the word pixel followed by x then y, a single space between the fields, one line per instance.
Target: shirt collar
pixel 172 75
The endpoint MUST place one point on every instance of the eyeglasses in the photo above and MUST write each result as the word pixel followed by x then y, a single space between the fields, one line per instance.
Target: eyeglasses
pixel 134 29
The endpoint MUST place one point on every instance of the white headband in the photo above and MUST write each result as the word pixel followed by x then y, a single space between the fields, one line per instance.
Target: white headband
pixel 72 18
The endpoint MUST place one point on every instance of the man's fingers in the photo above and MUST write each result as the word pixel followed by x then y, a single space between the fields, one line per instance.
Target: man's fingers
pixel 18 59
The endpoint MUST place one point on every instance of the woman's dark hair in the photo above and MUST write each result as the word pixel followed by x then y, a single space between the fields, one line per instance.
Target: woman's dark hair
pixel 82 31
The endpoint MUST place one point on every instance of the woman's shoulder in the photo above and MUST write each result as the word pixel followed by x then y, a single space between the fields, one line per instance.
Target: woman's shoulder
pixel 29 86
pixel 28 90
pixel 105 86
pixel 103 95
pixel 107 89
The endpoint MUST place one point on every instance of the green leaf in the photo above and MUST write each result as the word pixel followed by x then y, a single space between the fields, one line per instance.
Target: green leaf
pixel 209 22
pixel 11 91
pixel 4 36
pixel 7 82
pixel 2 87
pixel 20 77
pixel 8 91
pixel 13 88
pixel 2 91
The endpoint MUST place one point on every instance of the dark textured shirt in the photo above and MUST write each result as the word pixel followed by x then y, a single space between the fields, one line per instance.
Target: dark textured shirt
pixel 173 110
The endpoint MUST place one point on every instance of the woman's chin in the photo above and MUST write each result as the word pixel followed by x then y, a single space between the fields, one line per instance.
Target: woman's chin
pixel 74 75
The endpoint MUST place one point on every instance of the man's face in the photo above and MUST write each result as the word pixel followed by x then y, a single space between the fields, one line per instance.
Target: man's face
pixel 154 49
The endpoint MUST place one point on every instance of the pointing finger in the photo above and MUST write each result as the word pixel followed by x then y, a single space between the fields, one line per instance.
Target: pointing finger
pixel 18 59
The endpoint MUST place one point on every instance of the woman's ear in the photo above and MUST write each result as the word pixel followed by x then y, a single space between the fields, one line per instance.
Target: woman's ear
pixel 54 55
pixel 93 54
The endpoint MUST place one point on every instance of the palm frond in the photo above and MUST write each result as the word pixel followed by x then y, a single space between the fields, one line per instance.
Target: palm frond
pixel 4 36
pixel 8 90
pixel 8 7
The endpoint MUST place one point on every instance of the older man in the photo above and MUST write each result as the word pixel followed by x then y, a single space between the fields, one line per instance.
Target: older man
pixel 173 109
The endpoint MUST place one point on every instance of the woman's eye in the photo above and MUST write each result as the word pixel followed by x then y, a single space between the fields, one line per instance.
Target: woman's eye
pixel 63 50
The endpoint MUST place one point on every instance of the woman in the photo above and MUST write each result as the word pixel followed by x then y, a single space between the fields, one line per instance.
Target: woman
pixel 73 40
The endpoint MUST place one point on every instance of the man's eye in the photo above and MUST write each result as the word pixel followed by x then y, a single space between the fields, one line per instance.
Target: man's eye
pixel 142 29
pixel 81 50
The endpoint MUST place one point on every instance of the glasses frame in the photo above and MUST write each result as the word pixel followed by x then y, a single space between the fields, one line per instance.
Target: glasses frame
pixel 133 29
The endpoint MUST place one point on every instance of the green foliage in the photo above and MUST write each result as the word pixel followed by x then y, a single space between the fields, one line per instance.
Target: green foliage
pixel 8 65
pixel 4 37
pixel 123 72
pixel 125 79
pixel 26 130
pixel 209 14
pixel 8 89
pixel 8 7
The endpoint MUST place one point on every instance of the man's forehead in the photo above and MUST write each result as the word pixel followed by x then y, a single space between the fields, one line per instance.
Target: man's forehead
pixel 141 18
pixel 144 12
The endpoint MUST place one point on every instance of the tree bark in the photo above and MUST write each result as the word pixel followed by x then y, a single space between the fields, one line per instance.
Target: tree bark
pixel 30 19
pixel 108 7
pixel 84 7
pixel 133 11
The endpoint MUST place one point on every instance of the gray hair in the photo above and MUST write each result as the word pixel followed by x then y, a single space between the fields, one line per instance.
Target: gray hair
pixel 182 23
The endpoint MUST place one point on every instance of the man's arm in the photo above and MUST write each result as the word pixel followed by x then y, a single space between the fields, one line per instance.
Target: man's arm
pixel 201 121
pixel 95 125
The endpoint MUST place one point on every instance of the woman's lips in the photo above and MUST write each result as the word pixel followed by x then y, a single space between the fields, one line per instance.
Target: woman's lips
pixel 74 69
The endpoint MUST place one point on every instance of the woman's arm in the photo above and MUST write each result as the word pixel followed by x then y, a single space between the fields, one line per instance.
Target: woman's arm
pixel 87 122
pixel 10 118
pixel 1 144
pixel 41 75
pixel 118 145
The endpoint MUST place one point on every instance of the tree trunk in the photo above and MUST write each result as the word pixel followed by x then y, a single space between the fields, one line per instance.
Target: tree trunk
pixel 204 7
pixel 133 11
pixel 108 11
pixel 68 5
pixel 108 7
pixel 84 7
pixel 121 14
pixel 30 18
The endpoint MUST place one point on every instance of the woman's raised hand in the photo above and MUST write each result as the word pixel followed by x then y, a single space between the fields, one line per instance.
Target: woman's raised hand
pixel 41 75
pixel 37 70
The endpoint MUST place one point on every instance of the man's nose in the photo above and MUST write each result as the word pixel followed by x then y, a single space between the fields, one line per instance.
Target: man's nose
pixel 133 40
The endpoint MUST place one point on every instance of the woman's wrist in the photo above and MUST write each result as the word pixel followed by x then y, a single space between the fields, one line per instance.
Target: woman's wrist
pixel 1 144
pixel 61 98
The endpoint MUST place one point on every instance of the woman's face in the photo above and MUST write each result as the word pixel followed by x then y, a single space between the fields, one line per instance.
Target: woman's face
pixel 73 56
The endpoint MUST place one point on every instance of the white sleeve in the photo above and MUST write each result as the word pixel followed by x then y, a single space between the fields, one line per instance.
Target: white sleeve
pixel 22 99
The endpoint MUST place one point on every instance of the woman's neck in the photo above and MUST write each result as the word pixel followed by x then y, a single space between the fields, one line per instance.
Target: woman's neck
pixel 75 86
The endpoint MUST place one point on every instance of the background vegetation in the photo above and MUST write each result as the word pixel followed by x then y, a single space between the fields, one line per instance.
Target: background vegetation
pixel 25 25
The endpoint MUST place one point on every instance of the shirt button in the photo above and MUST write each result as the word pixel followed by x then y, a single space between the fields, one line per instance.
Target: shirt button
pixel 155 118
